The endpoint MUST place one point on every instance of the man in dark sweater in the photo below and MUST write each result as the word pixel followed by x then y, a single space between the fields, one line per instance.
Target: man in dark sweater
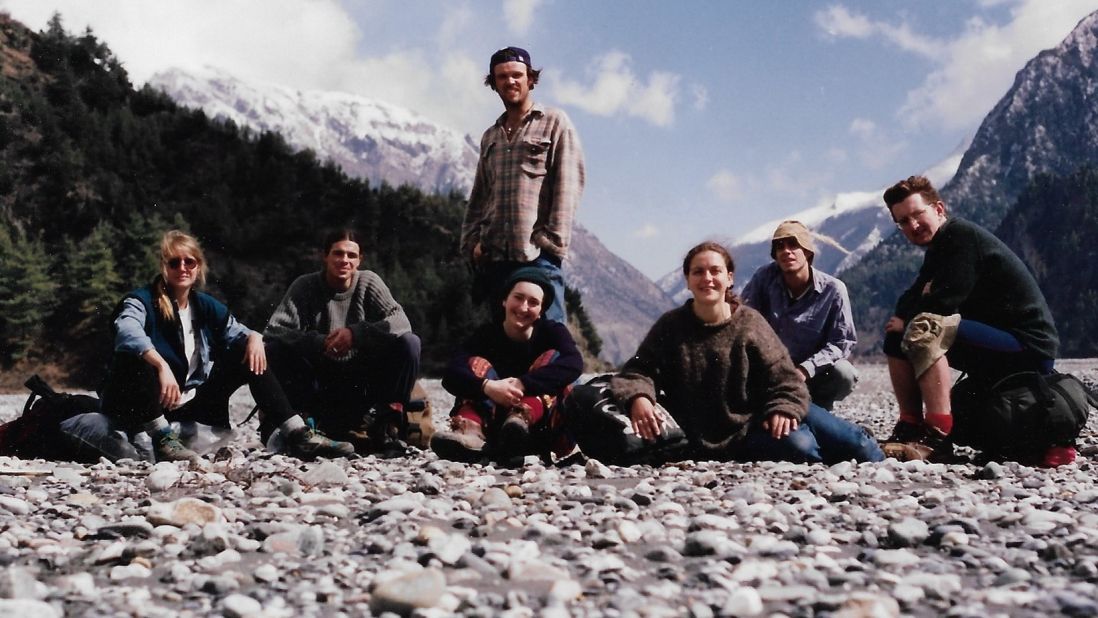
pixel 974 306
pixel 342 345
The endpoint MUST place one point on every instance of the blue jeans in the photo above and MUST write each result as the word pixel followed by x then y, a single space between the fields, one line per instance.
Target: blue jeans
pixel 820 437
pixel 491 276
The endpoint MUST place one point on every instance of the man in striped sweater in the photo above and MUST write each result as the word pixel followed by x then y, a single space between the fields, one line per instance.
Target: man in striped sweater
pixel 341 345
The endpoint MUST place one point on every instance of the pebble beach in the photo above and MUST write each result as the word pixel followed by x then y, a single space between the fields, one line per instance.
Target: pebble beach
pixel 248 533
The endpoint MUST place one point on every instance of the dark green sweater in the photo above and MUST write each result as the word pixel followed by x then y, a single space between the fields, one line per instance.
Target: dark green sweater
pixel 968 270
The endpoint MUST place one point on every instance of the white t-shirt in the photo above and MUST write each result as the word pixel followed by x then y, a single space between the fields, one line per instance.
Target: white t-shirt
pixel 190 350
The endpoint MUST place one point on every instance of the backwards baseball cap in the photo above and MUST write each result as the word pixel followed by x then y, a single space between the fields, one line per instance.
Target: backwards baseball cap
pixel 797 231
pixel 509 54
pixel 530 274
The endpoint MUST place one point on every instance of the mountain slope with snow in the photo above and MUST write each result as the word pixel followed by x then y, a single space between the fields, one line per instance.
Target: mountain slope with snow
pixel 367 138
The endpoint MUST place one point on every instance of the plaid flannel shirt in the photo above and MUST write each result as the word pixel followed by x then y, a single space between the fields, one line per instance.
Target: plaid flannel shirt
pixel 526 190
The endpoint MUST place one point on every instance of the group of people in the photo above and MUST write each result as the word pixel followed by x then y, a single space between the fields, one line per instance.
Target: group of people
pixel 751 377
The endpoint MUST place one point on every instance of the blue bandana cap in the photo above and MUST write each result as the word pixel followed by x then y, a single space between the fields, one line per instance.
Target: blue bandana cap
pixel 509 54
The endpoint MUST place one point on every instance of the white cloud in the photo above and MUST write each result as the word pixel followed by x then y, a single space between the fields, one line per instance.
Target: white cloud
pixel 646 231
pixel 863 128
pixel 838 21
pixel 520 14
pixel 975 68
pixel 616 89
pixel 728 187
pixel 701 96
pixel 456 20
pixel 875 148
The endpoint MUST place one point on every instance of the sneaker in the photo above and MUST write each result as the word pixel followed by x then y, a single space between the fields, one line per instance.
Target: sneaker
pixel 1057 456
pixel 933 446
pixel 514 434
pixel 463 442
pixel 307 443
pixel 167 447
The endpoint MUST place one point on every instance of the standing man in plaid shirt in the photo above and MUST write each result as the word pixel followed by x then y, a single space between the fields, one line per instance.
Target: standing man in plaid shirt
pixel 527 187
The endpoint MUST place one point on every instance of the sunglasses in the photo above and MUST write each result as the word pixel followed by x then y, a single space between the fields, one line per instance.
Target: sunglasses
pixel 188 262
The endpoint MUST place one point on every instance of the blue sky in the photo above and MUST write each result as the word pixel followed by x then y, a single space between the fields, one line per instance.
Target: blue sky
pixel 699 118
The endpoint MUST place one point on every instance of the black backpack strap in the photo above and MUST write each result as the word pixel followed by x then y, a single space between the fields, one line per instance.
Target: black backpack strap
pixel 250 415
pixel 38 388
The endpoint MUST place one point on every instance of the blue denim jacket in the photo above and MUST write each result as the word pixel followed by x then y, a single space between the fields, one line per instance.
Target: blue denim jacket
pixel 817 328
pixel 139 327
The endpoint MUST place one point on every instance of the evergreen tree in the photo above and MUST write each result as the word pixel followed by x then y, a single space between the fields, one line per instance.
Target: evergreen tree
pixel 92 286
pixel 573 302
pixel 137 247
pixel 27 295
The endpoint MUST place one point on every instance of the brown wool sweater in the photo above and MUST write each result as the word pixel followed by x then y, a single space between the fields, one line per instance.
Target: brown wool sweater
pixel 717 378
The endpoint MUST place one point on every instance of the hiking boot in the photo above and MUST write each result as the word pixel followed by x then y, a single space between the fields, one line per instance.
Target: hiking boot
pixel 906 432
pixel 307 444
pixel 514 434
pixel 167 447
pixel 933 446
pixel 1057 456
pixel 463 442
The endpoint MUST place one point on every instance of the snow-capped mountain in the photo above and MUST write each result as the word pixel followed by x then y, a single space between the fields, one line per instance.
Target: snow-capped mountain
pixel 366 137
pixel 847 227
pixel 376 140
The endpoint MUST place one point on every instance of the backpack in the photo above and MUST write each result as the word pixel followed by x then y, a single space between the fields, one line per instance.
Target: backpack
pixel 1023 412
pixel 603 430
pixel 36 433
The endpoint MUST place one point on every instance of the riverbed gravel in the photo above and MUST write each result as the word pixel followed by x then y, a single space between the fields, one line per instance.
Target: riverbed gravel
pixel 248 533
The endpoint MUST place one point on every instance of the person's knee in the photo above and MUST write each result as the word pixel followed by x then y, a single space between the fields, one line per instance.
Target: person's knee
pixel 845 376
pixel 802 446
pixel 409 346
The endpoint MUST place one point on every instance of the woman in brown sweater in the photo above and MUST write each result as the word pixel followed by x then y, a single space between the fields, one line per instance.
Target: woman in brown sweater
pixel 728 380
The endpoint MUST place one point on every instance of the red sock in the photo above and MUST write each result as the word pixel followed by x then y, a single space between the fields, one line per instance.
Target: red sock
pixel 537 408
pixel 943 422
pixel 1057 456
pixel 467 411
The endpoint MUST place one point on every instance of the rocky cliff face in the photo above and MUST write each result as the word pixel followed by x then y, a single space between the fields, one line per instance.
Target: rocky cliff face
pixel 1046 123
pixel 622 302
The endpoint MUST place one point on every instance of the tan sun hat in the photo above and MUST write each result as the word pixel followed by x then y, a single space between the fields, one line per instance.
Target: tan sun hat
pixel 927 338
pixel 797 231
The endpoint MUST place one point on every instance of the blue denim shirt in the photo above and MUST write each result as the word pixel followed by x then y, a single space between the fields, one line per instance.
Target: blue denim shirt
pixel 212 333
pixel 817 328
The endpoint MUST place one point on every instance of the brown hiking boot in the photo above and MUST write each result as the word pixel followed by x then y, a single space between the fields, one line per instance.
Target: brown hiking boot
pixel 906 432
pixel 514 434
pixel 167 447
pixel 463 442
pixel 932 446
pixel 308 444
